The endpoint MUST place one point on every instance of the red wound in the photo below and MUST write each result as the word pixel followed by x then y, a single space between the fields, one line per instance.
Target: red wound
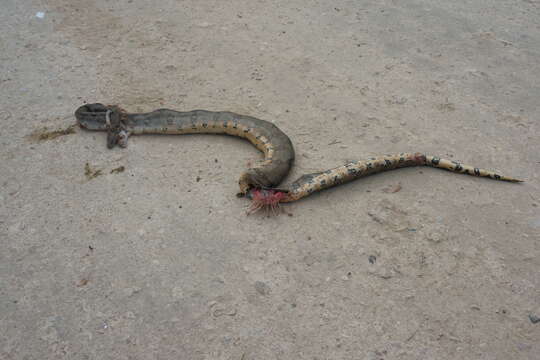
pixel 265 199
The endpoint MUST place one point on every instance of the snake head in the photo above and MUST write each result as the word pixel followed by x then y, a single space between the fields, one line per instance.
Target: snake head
pixel 104 118
pixel 93 116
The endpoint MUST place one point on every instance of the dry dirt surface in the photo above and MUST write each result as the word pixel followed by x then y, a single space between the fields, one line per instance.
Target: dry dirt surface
pixel 146 253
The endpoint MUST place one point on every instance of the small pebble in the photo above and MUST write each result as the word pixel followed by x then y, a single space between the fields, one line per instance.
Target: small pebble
pixel 534 319
pixel 262 288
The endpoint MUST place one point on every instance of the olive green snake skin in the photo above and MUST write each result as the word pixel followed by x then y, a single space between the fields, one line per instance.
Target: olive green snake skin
pixel 258 182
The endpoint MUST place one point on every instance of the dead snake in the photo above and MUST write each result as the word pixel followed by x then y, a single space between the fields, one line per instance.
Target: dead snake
pixel 259 182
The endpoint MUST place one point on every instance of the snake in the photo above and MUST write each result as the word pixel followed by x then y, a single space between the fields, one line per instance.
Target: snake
pixel 259 182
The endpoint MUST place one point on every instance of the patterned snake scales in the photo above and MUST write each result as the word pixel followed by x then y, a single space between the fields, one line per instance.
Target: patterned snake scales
pixel 259 182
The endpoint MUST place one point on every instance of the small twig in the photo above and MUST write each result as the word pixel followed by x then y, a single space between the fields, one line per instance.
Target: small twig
pixel 412 335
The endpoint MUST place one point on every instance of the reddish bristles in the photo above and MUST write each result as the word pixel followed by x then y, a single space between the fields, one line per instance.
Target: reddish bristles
pixel 267 200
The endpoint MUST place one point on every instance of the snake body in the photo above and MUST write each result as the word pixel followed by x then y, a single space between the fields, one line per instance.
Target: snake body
pixel 268 138
pixel 259 182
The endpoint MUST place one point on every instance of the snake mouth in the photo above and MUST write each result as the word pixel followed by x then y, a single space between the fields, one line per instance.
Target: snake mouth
pixel 265 199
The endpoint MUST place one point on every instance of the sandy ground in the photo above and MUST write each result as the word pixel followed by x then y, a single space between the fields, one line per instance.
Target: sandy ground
pixel 160 261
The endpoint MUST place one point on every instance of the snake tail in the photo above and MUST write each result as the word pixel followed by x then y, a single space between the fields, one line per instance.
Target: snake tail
pixel 311 183
pixel 455 166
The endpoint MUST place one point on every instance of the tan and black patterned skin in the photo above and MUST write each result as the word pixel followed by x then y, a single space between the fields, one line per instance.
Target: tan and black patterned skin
pixel 310 183
pixel 268 138
pixel 276 146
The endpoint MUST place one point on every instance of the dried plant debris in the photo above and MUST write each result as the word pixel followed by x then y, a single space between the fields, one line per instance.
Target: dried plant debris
pixel 446 107
pixel 90 172
pixel 83 282
pixel 45 134
pixel 118 170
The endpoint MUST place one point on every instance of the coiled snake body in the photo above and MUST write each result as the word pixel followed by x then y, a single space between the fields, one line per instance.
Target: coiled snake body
pixel 259 182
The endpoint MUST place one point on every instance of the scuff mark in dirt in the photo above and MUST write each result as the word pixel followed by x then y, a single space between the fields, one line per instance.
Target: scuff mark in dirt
pixel 392 189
